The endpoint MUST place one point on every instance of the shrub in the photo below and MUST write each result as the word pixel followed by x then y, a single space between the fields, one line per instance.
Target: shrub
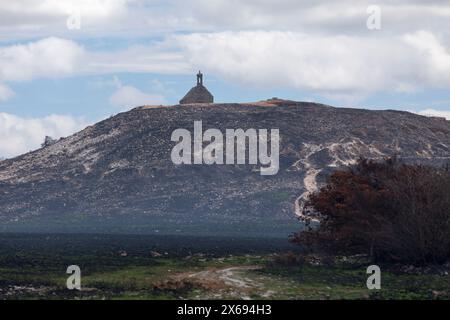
pixel 288 259
pixel 391 211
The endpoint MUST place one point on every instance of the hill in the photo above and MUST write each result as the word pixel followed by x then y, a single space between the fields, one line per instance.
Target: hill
pixel 117 175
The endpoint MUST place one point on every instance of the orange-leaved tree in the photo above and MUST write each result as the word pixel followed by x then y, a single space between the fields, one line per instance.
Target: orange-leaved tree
pixel 389 210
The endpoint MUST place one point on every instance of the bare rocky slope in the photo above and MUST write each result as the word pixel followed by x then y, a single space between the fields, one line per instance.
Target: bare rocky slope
pixel 117 175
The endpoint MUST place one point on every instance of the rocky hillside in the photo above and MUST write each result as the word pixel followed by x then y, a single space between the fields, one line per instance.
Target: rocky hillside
pixel 117 175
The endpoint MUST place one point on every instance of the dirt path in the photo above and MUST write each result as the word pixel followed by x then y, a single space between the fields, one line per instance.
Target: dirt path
pixel 232 276
pixel 236 282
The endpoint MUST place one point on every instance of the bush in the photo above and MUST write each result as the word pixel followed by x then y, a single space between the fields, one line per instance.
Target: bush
pixel 288 259
pixel 391 211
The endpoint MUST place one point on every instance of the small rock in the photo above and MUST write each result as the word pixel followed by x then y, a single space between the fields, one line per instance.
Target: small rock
pixel 155 254
pixel 123 253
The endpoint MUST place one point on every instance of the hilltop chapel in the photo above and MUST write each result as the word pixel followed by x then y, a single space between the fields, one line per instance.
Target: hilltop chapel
pixel 198 94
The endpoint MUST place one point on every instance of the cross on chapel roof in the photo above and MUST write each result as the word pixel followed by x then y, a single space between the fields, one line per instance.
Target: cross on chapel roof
pixel 200 78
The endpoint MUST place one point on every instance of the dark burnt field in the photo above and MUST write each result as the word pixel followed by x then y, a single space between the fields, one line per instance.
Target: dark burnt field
pixel 33 266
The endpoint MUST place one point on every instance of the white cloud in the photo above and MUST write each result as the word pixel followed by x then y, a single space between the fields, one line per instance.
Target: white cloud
pixel 40 17
pixel 162 57
pixel 25 19
pixel 20 135
pixel 336 65
pixel 45 8
pixel 50 57
pixel 346 67
pixel 434 66
pixel 129 96
pixel 5 93
pixel 128 18
pixel 56 57
pixel 435 113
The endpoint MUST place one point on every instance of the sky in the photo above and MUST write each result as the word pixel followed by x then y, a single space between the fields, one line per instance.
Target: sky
pixel 65 64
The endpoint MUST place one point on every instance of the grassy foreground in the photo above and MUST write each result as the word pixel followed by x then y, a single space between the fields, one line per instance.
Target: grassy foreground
pixel 29 270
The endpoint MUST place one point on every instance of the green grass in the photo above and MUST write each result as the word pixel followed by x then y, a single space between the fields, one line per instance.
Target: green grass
pixel 130 281
pixel 33 271
pixel 337 282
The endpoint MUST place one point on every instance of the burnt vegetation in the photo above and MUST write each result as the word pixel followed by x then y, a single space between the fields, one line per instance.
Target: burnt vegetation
pixel 391 211
pixel 117 176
